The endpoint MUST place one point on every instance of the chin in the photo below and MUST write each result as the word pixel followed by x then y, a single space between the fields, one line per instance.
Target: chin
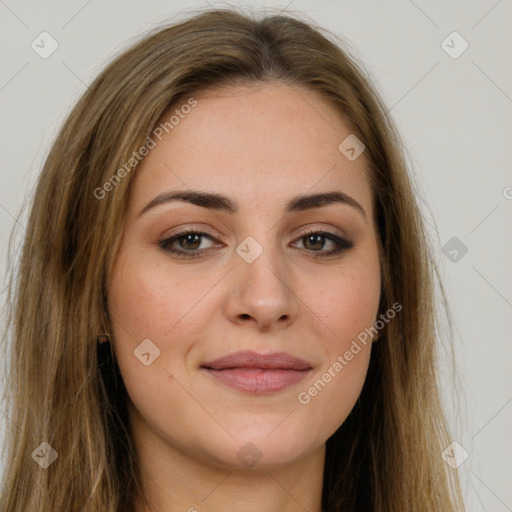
pixel 256 449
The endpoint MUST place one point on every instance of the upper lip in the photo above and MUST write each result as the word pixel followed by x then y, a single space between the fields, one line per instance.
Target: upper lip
pixel 249 359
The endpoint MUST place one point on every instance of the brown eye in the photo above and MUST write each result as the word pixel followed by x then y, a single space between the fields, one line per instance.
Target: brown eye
pixel 315 241
pixel 192 241
pixel 189 243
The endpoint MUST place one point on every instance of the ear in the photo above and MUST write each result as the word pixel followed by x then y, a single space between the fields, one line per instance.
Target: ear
pixel 102 338
pixel 382 332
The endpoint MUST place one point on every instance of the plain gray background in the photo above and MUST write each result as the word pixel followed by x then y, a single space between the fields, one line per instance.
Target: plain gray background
pixel 454 115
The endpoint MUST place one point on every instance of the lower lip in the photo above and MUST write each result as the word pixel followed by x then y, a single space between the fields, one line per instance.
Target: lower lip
pixel 258 381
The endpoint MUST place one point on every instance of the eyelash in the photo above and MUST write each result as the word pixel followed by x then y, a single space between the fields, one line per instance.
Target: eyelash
pixel 341 243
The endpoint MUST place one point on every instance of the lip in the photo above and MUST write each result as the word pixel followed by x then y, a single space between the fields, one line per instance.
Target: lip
pixel 258 374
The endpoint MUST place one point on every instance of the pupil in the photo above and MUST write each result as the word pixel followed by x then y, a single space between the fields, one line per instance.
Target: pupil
pixel 317 237
pixel 188 238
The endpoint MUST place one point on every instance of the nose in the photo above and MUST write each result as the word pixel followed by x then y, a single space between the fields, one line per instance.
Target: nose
pixel 262 292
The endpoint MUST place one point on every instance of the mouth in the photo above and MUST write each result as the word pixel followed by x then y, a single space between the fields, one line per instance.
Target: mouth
pixel 258 374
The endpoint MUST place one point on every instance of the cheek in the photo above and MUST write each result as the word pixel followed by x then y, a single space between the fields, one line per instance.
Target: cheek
pixel 331 393
pixel 347 309
pixel 347 300
pixel 146 301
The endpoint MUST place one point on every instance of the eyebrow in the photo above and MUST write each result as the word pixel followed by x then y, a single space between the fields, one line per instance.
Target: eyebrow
pixel 223 203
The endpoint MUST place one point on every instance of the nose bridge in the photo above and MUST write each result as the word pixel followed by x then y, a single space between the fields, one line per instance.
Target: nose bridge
pixel 261 289
pixel 262 266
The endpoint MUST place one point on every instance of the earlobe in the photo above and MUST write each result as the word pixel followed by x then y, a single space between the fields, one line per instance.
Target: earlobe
pixel 102 338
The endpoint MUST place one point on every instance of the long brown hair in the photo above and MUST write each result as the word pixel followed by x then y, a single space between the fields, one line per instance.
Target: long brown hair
pixel 60 389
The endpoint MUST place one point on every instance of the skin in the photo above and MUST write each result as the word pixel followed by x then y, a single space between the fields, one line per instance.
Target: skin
pixel 260 145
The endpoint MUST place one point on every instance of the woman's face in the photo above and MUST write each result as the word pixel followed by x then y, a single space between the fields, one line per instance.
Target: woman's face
pixel 244 353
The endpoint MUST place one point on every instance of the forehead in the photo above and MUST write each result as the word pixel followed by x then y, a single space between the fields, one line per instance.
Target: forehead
pixel 253 141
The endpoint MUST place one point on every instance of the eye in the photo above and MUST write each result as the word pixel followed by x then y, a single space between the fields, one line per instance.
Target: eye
pixel 189 243
pixel 314 241
pixel 189 240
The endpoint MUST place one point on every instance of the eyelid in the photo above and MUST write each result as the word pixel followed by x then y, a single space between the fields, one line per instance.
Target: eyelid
pixel 321 229
pixel 302 232
pixel 195 229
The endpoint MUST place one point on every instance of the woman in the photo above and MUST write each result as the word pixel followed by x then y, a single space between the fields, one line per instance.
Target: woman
pixel 225 296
